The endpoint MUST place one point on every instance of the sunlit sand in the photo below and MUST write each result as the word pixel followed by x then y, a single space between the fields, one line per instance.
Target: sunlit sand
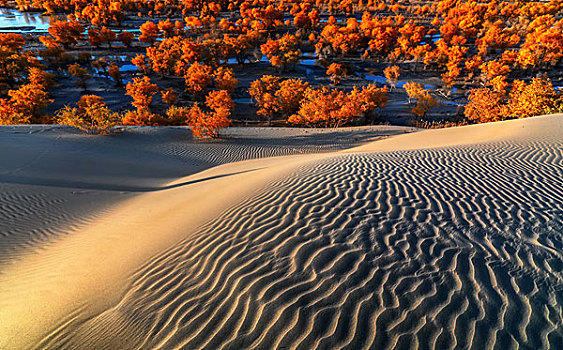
pixel 440 238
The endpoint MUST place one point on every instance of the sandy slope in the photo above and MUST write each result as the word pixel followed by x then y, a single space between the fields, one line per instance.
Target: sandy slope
pixel 437 239
pixel 53 177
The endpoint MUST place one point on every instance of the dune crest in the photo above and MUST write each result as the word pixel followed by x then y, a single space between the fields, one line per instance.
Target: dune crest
pixel 435 239
pixel 467 135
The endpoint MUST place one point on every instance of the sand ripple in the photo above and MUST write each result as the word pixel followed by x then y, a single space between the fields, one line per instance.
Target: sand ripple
pixel 54 179
pixel 457 247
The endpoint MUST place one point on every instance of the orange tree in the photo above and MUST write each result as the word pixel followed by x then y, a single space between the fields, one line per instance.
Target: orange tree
pixel 424 101
pixel 140 61
pixel 336 72
pixel 91 116
pixel 392 75
pixel 26 103
pixel 198 78
pixel 94 37
pixel 141 90
pixel 169 96
pixel 485 105
pixel 543 44
pixel 205 123
pixel 524 100
pixel 113 71
pixel 80 73
pixel 325 107
pixel 126 38
pixel 149 32
pixel 66 33
pixel 201 77
pixel 224 79
pixel 494 74
pixel 13 61
pixel 289 96
pixel 536 98
pixel 263 92
pixel 163 59
pixel 107 36
pixel 209 124
pixel 283 51
pixel 274 96
pixel 371 98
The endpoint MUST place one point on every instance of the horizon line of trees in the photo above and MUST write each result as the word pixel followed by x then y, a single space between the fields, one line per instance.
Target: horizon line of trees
pixel 491 42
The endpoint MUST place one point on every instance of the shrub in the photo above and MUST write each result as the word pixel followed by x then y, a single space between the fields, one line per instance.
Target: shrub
pixel 524 100
pixel 141 117
pixel 485 105
pixel 536 98
pixel 91 116
pixel 141 90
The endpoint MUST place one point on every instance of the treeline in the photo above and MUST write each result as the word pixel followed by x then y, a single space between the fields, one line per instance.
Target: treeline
pixel 484 44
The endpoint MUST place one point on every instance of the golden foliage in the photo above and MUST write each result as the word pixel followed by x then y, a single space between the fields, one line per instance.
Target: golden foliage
pixel 198 78
pixel 524 100
pixel 209 123
pixel 536 98
pixel 169 96
pixel 274 96
pixel 149 32
pixel 392 75
pixel 26 103
pixel 140 61
pixel 485 105
pixel 66 33
pixel 336 71
pixel 141 117
pixel 263 92
pixel 282 51
pixel 13 62
pixel 126 38
pixel 289 95
pixel 91 116
pixel 424 101
pixel 325 107
pixel 114 72
pixel 141 90
pixel 80 73
pixel 224 79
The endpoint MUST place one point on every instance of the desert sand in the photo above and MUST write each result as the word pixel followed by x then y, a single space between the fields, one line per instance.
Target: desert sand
pixel 297 239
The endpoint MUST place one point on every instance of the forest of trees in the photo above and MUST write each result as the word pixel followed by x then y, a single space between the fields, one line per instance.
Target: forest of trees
pixel 504 56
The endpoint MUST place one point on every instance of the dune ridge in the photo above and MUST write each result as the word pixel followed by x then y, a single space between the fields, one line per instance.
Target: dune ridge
pixel 440 244
pixel 54 179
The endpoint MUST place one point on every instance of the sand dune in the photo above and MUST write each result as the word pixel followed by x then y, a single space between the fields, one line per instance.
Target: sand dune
pixel 53 179
pixel 437 239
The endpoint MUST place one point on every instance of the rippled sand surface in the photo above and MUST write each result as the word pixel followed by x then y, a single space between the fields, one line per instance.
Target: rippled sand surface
pixel 438 239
